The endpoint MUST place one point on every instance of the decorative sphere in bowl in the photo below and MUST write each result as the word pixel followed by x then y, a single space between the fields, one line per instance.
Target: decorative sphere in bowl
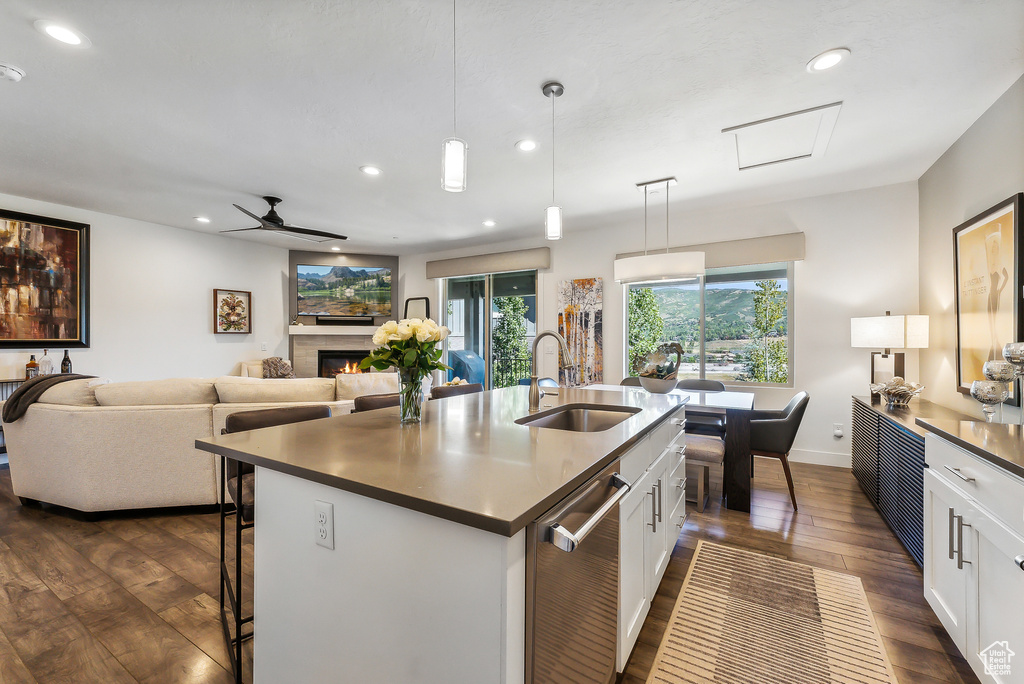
pixel 897 392
pixel 658 385
pixel 1000 371
pixel 990 393
pixel 1014 352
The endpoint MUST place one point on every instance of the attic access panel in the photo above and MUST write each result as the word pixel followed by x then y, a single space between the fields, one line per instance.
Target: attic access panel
pixel 788 137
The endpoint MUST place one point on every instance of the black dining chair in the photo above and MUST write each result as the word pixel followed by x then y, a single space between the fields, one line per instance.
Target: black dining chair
pixel 455 390
pixel 371 402
pixel 238 481
pixel 700 422
pixel 772 434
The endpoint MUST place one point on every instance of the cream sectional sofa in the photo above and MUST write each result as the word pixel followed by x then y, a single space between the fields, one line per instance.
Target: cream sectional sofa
pixel 99 447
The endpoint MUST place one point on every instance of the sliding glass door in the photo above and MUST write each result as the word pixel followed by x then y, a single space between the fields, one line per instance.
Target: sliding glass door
pixel 493 320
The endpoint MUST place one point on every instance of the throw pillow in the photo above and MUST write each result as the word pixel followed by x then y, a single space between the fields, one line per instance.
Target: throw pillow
pixel 276 367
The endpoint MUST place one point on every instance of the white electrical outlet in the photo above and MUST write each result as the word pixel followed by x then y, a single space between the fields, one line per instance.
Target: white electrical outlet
pixel 324 524
pixel 837 429
pixel 263 347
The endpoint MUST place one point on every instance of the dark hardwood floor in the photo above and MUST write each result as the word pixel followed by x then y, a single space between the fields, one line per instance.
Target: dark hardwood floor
pixel 836 528
pixel 134 597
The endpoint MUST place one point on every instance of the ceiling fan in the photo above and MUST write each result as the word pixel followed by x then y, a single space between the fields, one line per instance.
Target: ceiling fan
pixel 275 223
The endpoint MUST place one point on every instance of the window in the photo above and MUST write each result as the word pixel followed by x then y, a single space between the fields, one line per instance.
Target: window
pixel 733 323
pixel 493 320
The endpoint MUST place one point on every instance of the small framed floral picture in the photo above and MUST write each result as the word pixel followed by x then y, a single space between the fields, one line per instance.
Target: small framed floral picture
pixel 232 312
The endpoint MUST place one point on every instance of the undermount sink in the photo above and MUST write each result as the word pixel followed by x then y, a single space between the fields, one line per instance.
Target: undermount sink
pixel 580 417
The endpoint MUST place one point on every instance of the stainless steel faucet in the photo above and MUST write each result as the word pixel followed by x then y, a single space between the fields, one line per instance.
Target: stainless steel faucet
pixel 535 391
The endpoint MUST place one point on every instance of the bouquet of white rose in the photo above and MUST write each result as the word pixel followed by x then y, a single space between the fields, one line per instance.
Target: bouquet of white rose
pixel 411 346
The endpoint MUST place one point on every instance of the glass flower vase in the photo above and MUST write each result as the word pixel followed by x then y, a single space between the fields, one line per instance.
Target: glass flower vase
pixel 410 395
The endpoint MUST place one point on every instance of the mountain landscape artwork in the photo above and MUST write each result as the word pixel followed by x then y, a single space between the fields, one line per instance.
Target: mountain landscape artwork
pixel 343 291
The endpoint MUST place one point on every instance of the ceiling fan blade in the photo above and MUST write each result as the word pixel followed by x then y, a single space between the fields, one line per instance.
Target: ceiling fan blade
pixel 239 230
pixel 309 231
pixel 263 221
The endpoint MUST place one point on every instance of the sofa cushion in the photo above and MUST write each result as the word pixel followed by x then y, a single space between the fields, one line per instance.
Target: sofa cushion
pixel 234 390
pixel 352 385
pixel 174 391
pixel 73 392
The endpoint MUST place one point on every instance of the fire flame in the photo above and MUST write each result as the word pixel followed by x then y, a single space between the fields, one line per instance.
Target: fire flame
pixel 349 369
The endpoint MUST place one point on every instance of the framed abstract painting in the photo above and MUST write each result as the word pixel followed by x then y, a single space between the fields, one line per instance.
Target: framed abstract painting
pixel 232 312
pixel 44 282
pixel 987 262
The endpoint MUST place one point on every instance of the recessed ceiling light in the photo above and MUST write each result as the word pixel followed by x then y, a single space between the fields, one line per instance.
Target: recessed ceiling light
pixel 64 34
pixel 827 60
pixel 335 249
pixel 490 223
pixel 526 146
pixel 201 219
pixel 370 170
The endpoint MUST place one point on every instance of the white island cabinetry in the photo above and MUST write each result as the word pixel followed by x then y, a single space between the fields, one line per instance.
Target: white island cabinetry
pixel 650 519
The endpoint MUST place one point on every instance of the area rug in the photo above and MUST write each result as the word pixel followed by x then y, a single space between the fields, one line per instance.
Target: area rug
pixel 746 617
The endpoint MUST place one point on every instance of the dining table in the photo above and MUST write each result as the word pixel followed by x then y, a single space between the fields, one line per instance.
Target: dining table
pixel 736 407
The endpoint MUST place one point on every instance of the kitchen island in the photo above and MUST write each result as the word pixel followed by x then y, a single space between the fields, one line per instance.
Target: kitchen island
pixel 427 581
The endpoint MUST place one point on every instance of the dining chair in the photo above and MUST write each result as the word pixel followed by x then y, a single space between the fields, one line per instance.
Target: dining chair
pixel 455 390
pixel 772 434
pixel 697 421
pixel 370 402
pixel 630 382
pixel 238 480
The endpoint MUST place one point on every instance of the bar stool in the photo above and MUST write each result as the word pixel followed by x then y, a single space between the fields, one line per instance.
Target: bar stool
pixel 239 481
pixel 696 421
pixel 703 451
pixel 372 402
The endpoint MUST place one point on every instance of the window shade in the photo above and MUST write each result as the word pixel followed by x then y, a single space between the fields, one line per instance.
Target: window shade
pixel 502 262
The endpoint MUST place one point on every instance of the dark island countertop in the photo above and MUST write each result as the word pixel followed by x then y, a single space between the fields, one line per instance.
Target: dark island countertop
pixel 467 461
pixel 1000 444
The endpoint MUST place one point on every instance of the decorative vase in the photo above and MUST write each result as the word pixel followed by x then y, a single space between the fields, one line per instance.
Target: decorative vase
pixel 410 395
pixel 990 393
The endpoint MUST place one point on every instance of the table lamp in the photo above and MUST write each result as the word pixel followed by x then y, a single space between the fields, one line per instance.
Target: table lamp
pixel 888 332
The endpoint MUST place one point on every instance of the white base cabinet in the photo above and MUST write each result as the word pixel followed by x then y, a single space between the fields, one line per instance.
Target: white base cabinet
pixel 974 559
pixel 648 529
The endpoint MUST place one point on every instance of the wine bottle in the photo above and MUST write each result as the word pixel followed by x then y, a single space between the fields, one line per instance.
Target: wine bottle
pixel 45 364
pixel 31 368
pixel 65 364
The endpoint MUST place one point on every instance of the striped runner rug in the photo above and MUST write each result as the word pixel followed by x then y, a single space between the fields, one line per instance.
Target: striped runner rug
pixel 743 617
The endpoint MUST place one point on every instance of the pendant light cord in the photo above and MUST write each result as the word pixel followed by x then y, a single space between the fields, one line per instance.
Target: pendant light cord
pixel 553 98
pixel 455 77
pixel 645 220
pixel 667 183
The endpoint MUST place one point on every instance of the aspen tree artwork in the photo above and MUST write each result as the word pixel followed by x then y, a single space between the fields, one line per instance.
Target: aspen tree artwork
pixel 580 304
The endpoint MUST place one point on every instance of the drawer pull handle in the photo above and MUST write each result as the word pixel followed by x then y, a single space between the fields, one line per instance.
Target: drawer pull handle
pixel 682 483
pixel 681 450
pixel 1019 561
pixel 952 528
pixel 956 471
pixel 679 421
pixel 960 562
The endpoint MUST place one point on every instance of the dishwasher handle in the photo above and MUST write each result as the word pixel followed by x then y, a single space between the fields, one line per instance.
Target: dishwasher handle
pixel 568 541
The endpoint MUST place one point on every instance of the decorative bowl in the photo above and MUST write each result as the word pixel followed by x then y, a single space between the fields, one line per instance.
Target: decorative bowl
pixel 658 385
pixel 1000 371
pixel 897 392
pixel 1014 353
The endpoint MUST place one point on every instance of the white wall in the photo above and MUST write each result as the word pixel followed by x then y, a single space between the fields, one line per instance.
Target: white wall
pixel 152 299
pixel 861 260
pixel 984 167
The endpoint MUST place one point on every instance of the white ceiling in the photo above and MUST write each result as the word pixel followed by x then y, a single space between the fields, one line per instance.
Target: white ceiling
pixel 183 107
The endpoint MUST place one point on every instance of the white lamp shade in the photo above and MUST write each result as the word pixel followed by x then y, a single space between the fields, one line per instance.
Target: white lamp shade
pixel 553 223
pixel 889 332
pixel 453 165
pixel 652 267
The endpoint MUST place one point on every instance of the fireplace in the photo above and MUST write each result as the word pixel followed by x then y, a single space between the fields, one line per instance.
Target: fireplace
pixel 334 362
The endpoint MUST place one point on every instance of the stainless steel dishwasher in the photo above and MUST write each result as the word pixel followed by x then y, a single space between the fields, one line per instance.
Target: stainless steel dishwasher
pixel 572 585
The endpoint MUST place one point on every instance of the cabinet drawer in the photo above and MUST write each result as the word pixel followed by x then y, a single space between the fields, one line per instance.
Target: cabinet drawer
pixel 995 489
pixel 667 432
pixel 635 462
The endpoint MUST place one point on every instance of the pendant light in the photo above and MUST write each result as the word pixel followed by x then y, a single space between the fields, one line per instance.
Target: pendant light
pixel 553 214
pixel 653 267
pixel 454 150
